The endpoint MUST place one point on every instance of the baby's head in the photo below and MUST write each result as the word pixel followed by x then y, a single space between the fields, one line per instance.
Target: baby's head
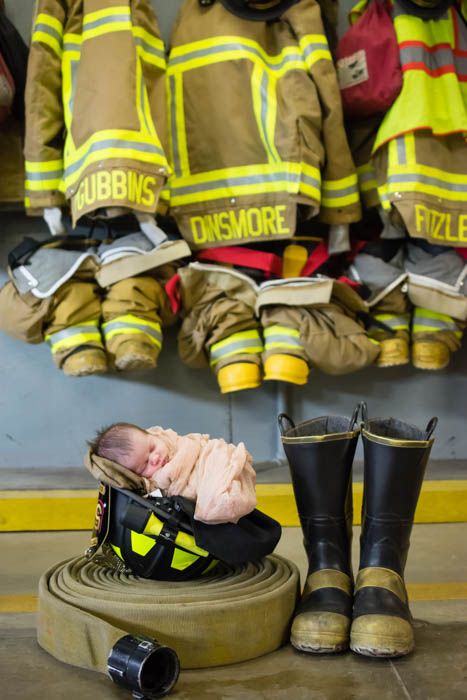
pixel 132 447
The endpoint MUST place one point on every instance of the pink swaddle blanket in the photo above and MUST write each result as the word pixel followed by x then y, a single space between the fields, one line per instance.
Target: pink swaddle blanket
pixel 219 476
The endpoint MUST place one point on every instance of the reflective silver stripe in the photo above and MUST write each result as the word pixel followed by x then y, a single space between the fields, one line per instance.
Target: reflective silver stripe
pixel 401 152
pixel 342 192
pixel 432 323
pixel 148 48
pixel 174 119
pixel 112 143
pixel 71 46
pixel 427 180
pixel 235 46
pixel 87 25
pixel 308 180
pixel 396 322
pixel 49 175
pixel 110 326
pixel 309 49
pixel 264 112
pixel 438 57
pixel 241 180
pixel 69 332
pixel 368 176
pixel 235 348
pixel 47 29
pixel 278 337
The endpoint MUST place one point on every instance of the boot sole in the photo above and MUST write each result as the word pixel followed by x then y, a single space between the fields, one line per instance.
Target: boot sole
pixel 134 361
pixel 319 648
pixel 366 646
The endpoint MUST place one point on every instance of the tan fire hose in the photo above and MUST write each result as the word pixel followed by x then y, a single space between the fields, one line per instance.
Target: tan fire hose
pixel 221 618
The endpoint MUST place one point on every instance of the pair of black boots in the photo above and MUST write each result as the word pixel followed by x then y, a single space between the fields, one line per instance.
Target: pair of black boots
pixel 371 616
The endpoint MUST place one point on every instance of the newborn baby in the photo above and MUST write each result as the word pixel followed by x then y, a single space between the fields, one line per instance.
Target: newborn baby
pixel 217 475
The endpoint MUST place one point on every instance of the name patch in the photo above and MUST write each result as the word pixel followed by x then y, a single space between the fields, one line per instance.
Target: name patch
pixel 444 227
pixel 116 186
pixel 240 224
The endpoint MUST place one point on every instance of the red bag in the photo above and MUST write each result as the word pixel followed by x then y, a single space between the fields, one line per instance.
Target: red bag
pixel 7 90
pixel 368 64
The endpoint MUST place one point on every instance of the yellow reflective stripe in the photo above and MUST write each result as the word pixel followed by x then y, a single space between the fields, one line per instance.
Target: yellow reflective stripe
pixel 272 330
pixel 341 192
pixel 263 89
pixel 396 322
pixel 187 541
pixel 44 38
pixel 244 342
pixel 181 560
pixel 413 185
pixel 282 337
pixel 132 331
pixel 439 322
pixel 251 179
pixel 109 28
pixel 230 48
pixel 153 155
pixel 409 140
pixel 44 166
pixel 48 30
pixel 237 191
pixel 315 48
pixel 366 177
pixel 106 13
pixel 112 19
pixel 72 340
pixel 42 185
pixel 150 48
pixel 179 147
pixel 129 324
pixel 50 21
pixel 430 171
pixel 129 318
pixel 141 544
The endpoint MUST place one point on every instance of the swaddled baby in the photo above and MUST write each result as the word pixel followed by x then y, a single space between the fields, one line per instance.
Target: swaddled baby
pixel 217 475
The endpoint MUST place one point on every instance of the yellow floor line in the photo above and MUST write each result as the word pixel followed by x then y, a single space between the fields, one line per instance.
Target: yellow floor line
pixel 20 511
pixel 417 591
pixel 18 603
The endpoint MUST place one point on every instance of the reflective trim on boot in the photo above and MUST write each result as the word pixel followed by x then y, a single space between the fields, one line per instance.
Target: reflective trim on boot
pixel 382 624
pixel 286 368
pixel 393 352
pixel 238 376
pixel 322 622
pixel 85 362
pixel 432 355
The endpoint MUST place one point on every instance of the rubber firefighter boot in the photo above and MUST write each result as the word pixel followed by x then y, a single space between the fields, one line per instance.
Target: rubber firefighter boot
pixel 84 362
pixel 396 455
pixel 238 376
pixel 320 454
pixel 135 354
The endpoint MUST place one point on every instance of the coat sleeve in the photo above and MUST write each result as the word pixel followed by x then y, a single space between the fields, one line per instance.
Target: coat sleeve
pixel 339 189
pixel 44 137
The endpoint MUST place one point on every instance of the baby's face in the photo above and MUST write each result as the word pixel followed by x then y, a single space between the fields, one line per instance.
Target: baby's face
pixel 148 455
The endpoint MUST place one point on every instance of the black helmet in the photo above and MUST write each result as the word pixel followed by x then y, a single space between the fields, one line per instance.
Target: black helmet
pixel 262 10
pixel 159 538
pixel 425 9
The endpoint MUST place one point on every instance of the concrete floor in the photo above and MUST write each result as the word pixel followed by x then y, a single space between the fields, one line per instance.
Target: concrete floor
pixel 437 670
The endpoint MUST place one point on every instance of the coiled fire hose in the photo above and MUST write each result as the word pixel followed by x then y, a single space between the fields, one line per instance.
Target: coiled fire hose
pixel 223 617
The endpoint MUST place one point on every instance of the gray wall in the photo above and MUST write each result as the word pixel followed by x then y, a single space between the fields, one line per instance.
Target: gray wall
pixel 45 417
